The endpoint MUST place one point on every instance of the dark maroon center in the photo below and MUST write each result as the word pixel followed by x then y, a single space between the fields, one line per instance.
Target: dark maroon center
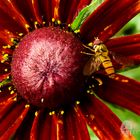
pixel 47 67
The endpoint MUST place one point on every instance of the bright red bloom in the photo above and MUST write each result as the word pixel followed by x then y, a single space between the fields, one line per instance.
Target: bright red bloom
pixel 44 94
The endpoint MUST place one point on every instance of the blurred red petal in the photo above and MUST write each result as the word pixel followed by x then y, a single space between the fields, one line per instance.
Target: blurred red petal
pixel 25 127
pixel 26 8
pixel 47 126
pixel 127 45
pixel 34 7
pixel 10 131
pixel 75 125
pixel 122 91
pixel 125 49
pixel 82 4
pixel 102 120
pixel 49 9
pixel 3 76
pixel 5 94
pixel 6 19
pixel 4 68
pixel 34 132
pixel 124 17
pixel 12 16
pixel 6 106
pixel 11 120
pixel 135 58
pixel 106 15
pixel 67 10
pixel 124 40
pixel 5 37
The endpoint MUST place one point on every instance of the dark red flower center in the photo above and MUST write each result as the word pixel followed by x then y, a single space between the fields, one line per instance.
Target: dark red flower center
pixel 47 67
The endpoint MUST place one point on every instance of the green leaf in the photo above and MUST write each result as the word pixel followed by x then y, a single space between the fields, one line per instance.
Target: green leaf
pixel 133 73
pixel 132 27
pixel 84 14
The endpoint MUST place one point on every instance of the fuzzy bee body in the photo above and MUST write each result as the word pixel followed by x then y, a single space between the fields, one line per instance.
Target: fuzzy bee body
pixel 99 57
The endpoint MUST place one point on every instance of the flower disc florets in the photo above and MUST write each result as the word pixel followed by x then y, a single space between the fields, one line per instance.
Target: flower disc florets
pixel 47 67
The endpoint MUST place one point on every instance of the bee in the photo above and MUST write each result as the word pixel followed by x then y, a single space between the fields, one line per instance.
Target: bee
pixel 99 56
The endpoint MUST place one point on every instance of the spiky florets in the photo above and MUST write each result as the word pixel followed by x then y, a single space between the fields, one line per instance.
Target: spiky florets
pixel 47 67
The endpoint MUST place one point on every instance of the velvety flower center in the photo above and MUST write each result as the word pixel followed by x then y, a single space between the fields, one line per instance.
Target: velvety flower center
pixel 47 67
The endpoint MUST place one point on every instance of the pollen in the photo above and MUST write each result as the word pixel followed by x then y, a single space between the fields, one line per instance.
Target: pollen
pixel 5 70
pixel 51 113
pixel 88 91
pixel 15 99
pixel 20 34
pixel 53 20
pixel 4 47
pixel 10 88
pixel 95 128
pixel 77 31
pixel 35 22
pixel 27 106
pixel 27 26
pixel 12 92
pixel 125 81
pixel 62 112
pixel 36 113
pixel 42 100
pixel 59 22
pixel 116 78
pixel 100 81
pixel 77 102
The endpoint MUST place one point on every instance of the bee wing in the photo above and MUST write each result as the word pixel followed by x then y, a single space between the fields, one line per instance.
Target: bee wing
pixel 91 66
pixel 120 59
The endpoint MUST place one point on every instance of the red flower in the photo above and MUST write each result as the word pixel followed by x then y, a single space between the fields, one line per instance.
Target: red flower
pixel 43 93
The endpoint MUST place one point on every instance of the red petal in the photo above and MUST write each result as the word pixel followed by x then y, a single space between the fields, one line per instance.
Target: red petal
pixel 122 91
pixel 125 49
pixel 11 19
pixel 15 125
pixel 124 17
pixel 10 121
pixel 67 10
pixel 25 127
pixel 57 128
pixel 5 94
pixel 75 125
pixel 34 7
pixel 34 132
pixel 6 106
pixel 108 13
pixel 5 37
pixel 102 120
pixel 135 58
pixel 49 9
pixel 124 40
pixel 127 45
pixel 4 67
pixel 82 4
pixel 26 8
pixel 47 126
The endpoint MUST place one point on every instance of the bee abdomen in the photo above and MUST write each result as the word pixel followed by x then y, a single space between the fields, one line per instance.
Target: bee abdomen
pixel 109 69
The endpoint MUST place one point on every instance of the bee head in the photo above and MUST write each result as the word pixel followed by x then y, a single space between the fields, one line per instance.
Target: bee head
pixel 100 48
